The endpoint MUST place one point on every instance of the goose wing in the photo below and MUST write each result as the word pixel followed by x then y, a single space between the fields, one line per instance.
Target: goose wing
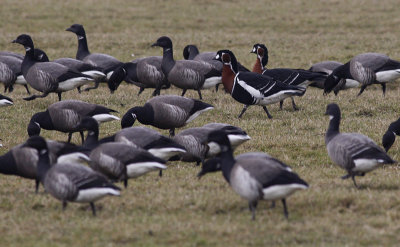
pixel 373 61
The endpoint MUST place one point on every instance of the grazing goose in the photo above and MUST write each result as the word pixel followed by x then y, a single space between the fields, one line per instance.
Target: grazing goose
pixel 355 153
pixel 255 177
pixel 327 67
pixel 47 77
pixel 106 62
pixel 5 101
pixel 166 112
pixel 11 73
pixel 251 88
pixel 390 135
pixel 143 72
pixel 12 54
pixel 70 182
pixel 236 135
pixel 366 68
pixel 119 161
pixel 22 161
pixel 74 64
pixel 66 115
pixel 186 74
pixel 297 77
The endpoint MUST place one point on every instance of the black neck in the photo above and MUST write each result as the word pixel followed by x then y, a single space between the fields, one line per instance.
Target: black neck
pixel 92 139
pixel 29 60
pixel 145 114
pixel 333 128
pixel 43 164
pixel 83 49
pixel 264 60
pixel 343 71
pixel 227 162
pixel 7 164
pixel 43 119
pixel 193 52
pixel 168 61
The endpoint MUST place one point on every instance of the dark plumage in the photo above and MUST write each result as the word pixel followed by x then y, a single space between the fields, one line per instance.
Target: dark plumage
pixel 165 112
pixel 11 73
pixel 251 88
pixel 390 135
pixel 353 152
pixel 186 74
pixel 5 101
pixel 47 77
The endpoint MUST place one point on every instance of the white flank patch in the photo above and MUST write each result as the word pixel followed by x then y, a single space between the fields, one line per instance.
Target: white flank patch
pixel 350 83
pixel 109 74
pixel 276 192
pixel 165 153
pixel 5 102
pixel 388 75
pixel 251 90
pixel 21 80
pixel 366 165
pixel 196 114
pixel 94 73
pixel 236 140
pixel 94 194
pixel 211 82
pixel 105 117
pixel 138 169
pixel 274 98
pixel 73 158
pixel 73 83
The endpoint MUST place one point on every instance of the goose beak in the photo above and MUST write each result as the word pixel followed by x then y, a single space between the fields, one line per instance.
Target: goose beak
pixel 14 41
pixel 155 44
pixel 68 29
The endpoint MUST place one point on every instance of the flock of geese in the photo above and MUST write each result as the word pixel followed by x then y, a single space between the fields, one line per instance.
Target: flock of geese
pixel 61 167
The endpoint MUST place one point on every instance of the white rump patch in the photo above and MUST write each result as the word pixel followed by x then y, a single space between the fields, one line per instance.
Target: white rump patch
pixel 196 114
pixel 366 165
pixel 388 75
pixel 21 80
pixel 165 153
pixel 236 140
pixel 73 83
pixel 350 83
pixel 94 194
pixel 109 74
pixel 5 102
pixel 138 169
pixel 105 117
pixel 276 192
pixel 94 73
pixel 76 157
pixel 211 82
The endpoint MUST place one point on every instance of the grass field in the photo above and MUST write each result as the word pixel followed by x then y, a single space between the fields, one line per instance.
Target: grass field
pixel 178 209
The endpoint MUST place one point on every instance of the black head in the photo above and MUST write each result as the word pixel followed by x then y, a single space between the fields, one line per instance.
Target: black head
pixel 34 125
pixel 77 29
pixel 227 58
pixel 88 123
pixel 211 165
pixel 330 83
pixel 129 118
pixel 262 53
pixel 41 56
pixel 190 51
pixel 333 110
pixel 24 40
pixel 164 42
pixel 116 78
pixel 36 142
pixel 388 140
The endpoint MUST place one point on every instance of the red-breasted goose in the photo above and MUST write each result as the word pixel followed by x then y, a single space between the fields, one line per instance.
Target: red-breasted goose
pixel 106 62
pixel 66 115
pixel 5 101
pixel 327 67
pixel 390 135
pixel 166 112
pixel 47 77
pixel 251 88
pixel 255 177
pixel 296 77
pixel 70 182
pixel 186 74
pixel 11 73
pixel 143 72
pixel 366 68
pixel 353 152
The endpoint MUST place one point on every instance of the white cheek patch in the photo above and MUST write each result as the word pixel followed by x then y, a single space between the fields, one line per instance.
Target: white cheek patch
pixel 217 56
pixel 27 49
pixel 80 37
pixel 37 124
pixel 331 117
pixel 40 56
pixel 254 49
pixel 44 151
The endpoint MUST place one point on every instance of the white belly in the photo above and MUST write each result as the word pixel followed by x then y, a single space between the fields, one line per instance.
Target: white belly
pixel 73 83
pixel 94 194
pixel 388 75
pixel 105 117
pixel 211 82
pixel 138 169
pixel 365 165
pixel 275 98
pixel 276 192
pixel 21 80
pixel 165 153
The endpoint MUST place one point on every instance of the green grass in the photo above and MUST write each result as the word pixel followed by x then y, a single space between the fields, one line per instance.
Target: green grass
pixel 178 209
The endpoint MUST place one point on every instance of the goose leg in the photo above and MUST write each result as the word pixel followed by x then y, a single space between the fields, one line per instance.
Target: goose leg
pixel 82 136
pixel 383 85
pixel 216 87
pixel 157 91
pixel 36 186
pixel 140 91
pixel 64 205
pixel 354 181
pixel 96 85
pixel 362 90
pixel 79 89
pixel 93 208
pixel 272 204
pixel 199 92
pixel 244 109
pixel 5 89
pixel 294 104
pixel 27 89
pixel 69 137
pixel 266 111
pixel 59 96
pixel 252 207
pixel 285 211
pixel 172 132
pixel 183 92
pixel 125 183
pixel 280 104
pixel 36 96
pixel 160 173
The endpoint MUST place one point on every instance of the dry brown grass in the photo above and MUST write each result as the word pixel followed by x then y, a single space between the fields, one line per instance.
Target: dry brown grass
pixel 178 209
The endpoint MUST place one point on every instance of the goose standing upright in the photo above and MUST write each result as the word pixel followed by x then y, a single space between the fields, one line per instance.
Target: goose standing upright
pixel 366 68
pixel 255 177
pixel 186 74
pixel 166 112
pixel 251 88
pixel 47 77
pixel 70 182
pixel 297 77
pixel 106 62
pixel 355 153
pixel 327 67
